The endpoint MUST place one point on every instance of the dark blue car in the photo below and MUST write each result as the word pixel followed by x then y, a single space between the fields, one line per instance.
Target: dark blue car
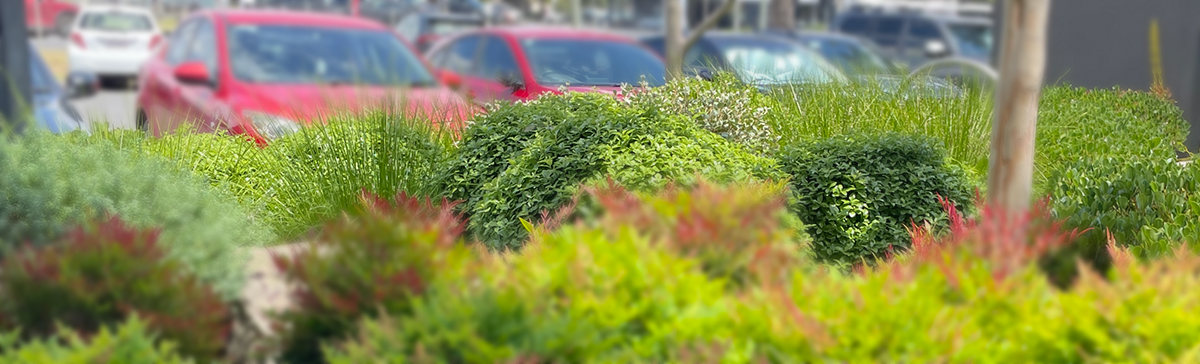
pixel 51 109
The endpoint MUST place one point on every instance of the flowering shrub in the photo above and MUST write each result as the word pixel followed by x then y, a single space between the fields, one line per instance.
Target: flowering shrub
pixel 723 106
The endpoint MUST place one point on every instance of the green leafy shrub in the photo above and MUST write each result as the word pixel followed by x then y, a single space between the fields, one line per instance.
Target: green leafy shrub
pixel 130 343
pixel 596 136
pixel 857 194
pixel 493 140
pixel 1149 205
pixel 723 106
pixel 376 260
pixel 104 274
pixel 63 184
pixel 323 168
pixel 1077 123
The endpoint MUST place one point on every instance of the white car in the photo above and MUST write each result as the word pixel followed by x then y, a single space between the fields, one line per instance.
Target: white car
pixel 113 40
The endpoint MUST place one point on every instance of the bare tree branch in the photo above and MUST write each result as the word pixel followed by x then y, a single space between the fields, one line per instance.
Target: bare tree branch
pixel 707 24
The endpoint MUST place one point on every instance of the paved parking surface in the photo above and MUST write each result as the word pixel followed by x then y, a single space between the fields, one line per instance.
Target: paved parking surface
pixel 113 106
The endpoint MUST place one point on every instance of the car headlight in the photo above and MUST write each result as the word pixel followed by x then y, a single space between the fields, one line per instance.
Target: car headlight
pixel 271 126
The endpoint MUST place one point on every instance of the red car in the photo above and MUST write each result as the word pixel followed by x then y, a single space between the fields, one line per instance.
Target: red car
pixel 520 63
pixel 264 74
pixel 50 15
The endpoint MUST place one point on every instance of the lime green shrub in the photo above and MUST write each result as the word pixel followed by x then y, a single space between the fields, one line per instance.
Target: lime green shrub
pixel 856 195
pixel 600 297
pixel 103 274
pixel 376 260
pixel 971 293
pixel 132 342
pixel 50 184
pixel 652 266
pixel 724 106
pixel 578 138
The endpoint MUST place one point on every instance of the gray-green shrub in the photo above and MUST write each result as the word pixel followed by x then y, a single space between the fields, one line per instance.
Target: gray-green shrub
pixel 50 183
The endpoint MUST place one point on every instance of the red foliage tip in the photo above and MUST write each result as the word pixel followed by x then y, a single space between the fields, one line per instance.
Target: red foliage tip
pixel 1008 242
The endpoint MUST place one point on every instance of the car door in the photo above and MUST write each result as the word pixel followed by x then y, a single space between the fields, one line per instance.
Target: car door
pixel 920 33
pixel 887 33
pixel 495 61
pixel 458 57
pixel 198 104
pixel 159 85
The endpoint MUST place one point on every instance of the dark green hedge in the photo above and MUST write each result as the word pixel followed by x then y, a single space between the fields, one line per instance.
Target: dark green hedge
pixel 858 194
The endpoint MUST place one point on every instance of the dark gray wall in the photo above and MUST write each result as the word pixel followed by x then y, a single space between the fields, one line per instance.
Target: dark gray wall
pixel 1105 43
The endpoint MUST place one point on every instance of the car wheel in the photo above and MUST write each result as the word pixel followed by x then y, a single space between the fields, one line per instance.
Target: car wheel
pixel 142 122
pixel 62 24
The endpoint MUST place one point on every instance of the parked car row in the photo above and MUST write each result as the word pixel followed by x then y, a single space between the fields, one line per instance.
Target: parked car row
pixel 267 73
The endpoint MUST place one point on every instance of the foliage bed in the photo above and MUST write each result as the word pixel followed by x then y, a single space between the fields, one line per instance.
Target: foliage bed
pixel 668 226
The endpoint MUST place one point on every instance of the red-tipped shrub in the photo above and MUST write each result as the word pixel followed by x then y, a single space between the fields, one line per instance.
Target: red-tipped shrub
pixel 98 277
pixel 735 231
pixel 1006 242
pixel 376 259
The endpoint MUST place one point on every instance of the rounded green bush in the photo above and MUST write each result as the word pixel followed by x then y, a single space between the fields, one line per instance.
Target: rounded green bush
pixel 598 136
pixel 50 183
pixel 858 194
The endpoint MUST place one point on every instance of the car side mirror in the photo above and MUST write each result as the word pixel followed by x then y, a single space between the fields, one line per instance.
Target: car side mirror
pixel 511 80
pixel 193 73
pixel 935 49
pixel 82 84
pixel 450 79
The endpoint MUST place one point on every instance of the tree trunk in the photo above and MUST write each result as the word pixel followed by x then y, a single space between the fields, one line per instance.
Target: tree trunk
pixel 783 15
pixel 675 44
pixel 1022 65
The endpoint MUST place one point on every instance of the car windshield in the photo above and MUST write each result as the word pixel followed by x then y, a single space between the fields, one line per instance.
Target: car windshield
pixel 973 40
pixel 850 57
pixel 42 81
pixel 116 22
pixel 763 61
pixel 293 54
pixel 591 62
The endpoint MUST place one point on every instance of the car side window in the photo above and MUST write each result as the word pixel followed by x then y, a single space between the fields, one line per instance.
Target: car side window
pixel 460 56
pixel 923 29
pixel 409 27
pixel 497 59
pixel 177 45
pixel 855 25
pixel 888 30
pixel 203 47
